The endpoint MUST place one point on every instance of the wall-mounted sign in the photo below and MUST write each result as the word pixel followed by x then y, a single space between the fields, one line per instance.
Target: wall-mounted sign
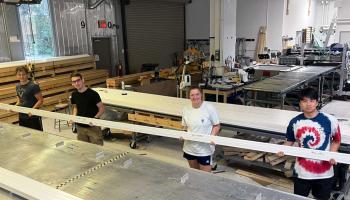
pixel 102 23
pixel 82 24
pixel 110 25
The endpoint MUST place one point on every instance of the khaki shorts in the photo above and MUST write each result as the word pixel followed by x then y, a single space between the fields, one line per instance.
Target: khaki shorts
pixel 91 134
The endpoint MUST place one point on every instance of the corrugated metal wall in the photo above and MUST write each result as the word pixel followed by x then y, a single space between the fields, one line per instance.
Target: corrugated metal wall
pixel 155 31
pixel 71 38
pixel 4 51
pixel 10 50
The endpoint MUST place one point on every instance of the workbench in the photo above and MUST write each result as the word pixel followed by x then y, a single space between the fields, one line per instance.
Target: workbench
pixel 266 71
pixel 78 170
pixel 225 93
pixel 248 119
pixel 286 82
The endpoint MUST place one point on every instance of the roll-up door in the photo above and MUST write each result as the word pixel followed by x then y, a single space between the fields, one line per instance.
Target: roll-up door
pixel 155 32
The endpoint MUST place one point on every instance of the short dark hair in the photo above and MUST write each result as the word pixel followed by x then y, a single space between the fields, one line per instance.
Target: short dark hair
pixel 308 93
pixel 194 88
pixel 22 69
pixel 76 74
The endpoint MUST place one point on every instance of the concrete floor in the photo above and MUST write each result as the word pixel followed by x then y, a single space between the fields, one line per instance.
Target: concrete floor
pixel 160 148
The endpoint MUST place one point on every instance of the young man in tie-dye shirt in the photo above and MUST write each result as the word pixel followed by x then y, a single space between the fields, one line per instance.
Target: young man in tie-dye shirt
pixel 313 130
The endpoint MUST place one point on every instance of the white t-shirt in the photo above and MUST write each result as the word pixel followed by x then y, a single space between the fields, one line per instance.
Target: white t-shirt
pixel 199 120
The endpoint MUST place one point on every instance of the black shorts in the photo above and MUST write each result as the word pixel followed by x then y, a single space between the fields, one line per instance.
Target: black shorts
pixel 202 160
pixel 33 122
pixel 320 188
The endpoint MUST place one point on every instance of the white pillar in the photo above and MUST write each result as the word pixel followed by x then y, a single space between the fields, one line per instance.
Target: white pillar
pixel 215 24
pixel 228 29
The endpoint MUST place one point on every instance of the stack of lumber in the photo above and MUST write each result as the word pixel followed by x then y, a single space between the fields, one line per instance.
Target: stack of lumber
pixel 261 42
pixel 169 73
pixel 261 159
pixel 53 77
pixel 142 78
pixel 268 180
pixel 156 120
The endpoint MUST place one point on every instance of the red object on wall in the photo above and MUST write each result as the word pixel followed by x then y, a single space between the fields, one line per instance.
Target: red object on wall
pixel 102 23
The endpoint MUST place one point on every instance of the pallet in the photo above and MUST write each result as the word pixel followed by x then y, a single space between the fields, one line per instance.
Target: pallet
pixel 156 120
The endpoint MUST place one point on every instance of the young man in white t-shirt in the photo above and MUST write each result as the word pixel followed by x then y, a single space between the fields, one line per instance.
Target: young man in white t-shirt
pixel 199 117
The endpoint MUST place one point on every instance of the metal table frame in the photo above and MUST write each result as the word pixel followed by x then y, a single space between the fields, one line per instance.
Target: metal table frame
pixel 286 82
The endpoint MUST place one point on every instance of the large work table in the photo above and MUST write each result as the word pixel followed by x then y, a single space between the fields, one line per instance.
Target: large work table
pixel 247 118
pixel 36 165
pixel 286 82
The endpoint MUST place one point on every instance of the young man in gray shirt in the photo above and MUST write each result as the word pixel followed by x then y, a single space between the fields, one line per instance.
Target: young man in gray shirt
pixel 28 95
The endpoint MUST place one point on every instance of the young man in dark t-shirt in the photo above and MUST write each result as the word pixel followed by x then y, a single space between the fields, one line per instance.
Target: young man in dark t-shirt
pixel 28 95
pixel 86 103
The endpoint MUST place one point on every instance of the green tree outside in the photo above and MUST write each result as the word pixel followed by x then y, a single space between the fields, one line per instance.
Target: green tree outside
pixel 36 23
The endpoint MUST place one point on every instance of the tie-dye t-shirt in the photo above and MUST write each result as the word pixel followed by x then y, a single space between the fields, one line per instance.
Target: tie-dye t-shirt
pixel 315 133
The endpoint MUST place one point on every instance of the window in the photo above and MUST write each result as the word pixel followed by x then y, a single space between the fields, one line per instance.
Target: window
pixel 36 30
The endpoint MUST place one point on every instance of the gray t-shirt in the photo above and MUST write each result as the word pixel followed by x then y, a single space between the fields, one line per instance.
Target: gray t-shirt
pixel 26 94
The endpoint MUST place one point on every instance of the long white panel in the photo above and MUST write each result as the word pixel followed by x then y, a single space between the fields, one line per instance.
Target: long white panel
pixel 29 188
pixel 258 146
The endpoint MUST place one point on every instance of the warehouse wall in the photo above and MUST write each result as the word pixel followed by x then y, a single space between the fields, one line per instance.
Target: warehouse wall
pixel 298 17
pixel 4 51
pixel 71 38
pixel 228 29
pixel 325 12
pixel 342 34
pixel 251 14
pixel 343 12
pixel 155 32
pixel 274 25
pixel 198 19
pixel 11 48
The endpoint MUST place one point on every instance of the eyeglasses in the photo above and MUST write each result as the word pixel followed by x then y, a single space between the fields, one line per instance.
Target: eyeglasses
pixel 76 81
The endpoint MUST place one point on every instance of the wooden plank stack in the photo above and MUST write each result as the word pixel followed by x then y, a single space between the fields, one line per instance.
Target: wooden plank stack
pixel 142 77
pixel 53 76
pixel 268 180
pixel 267 160
pixel 156 120
pixel 261 42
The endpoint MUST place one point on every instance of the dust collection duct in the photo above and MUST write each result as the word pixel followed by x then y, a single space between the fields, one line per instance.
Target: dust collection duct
pixel 93 5
pixel 21 1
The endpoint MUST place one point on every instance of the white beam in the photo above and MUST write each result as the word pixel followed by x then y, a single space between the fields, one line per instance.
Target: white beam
pixel 245 144
pixel 31 189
